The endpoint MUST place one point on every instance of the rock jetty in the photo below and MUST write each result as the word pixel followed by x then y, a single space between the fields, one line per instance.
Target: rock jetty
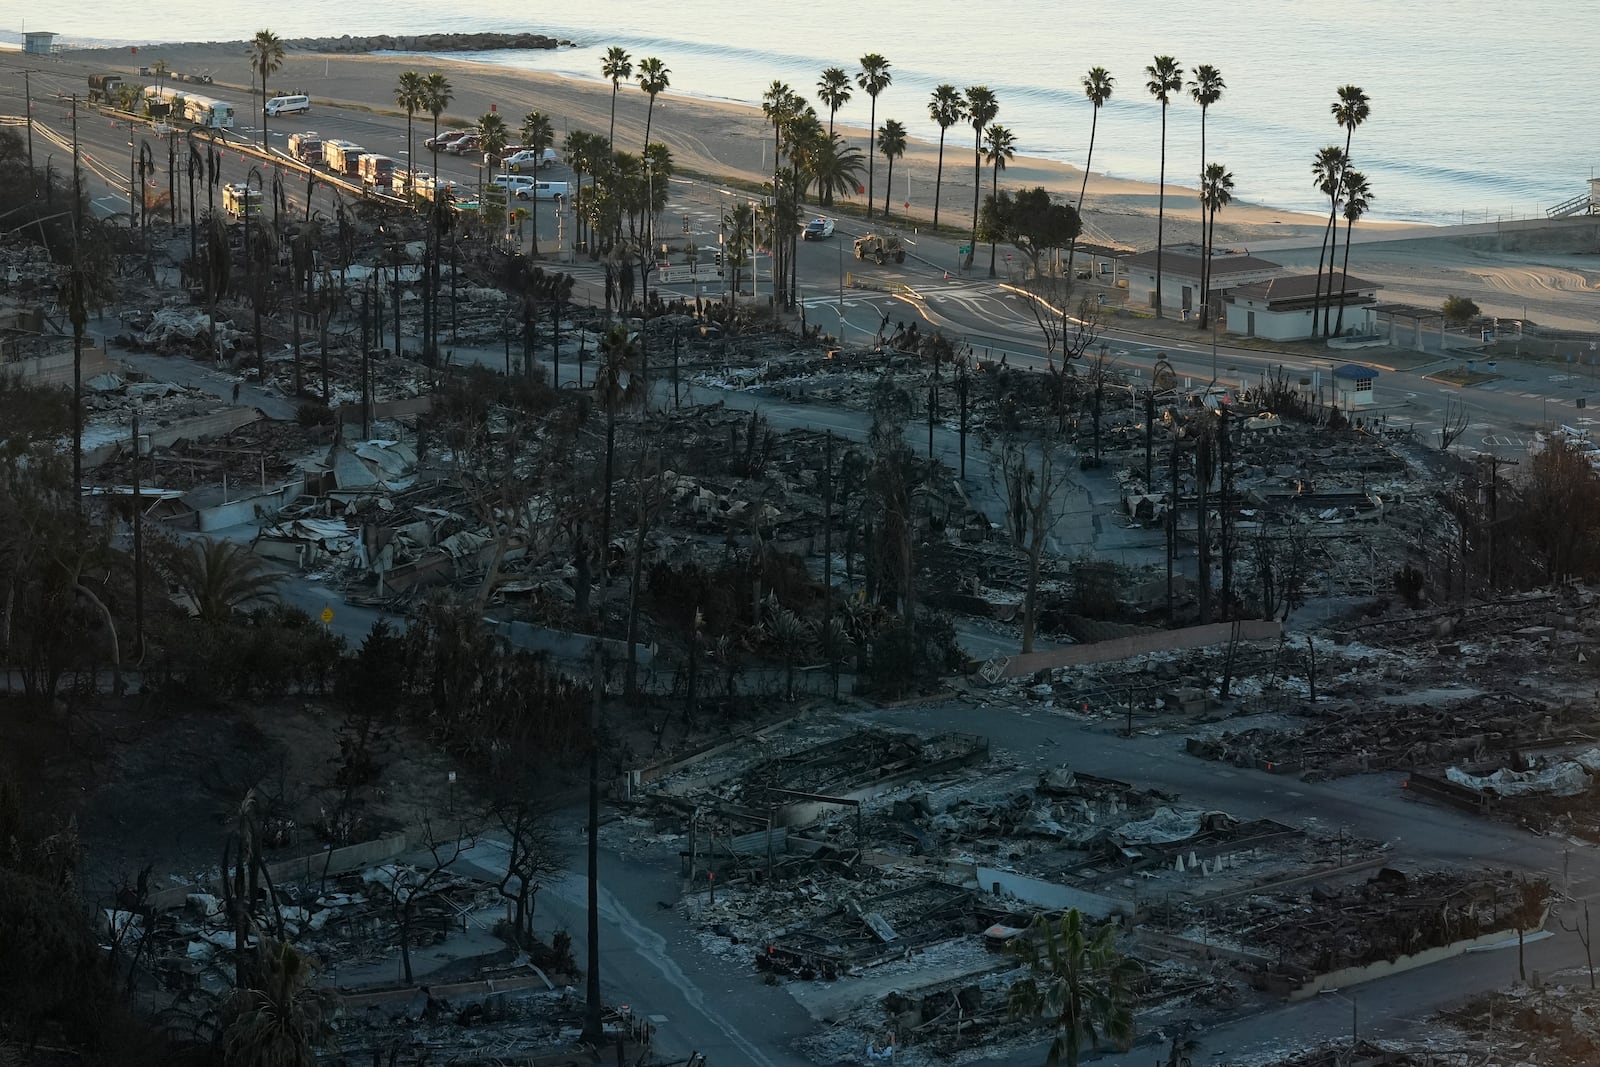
pixel 427 42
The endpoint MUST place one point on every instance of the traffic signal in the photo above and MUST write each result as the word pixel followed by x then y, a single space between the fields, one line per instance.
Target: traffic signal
pixel 719 259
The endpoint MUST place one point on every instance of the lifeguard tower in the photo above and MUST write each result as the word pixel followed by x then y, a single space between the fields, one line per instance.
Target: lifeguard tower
pixel 39 42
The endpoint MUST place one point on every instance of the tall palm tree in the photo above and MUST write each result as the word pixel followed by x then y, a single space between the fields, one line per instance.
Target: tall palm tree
pixel 618 387
pixel 585 152
pixel 874 78
pixel 1205 88
pixel 493 136
pixel 1080 985
pixel 411 94
pixel 1165 78
pixel 618 66
pixel 279 1019
pixel 946 107
pixel 1097 86
pixel 778 104
pixel 1357 200
pixel 220 577
pixel 982 107
pixel 892 143
pixel 1216 193
pixel 436 95
pixel 266 56
pixel 1327 174
pixel 538 134
pixel 1351 108
pixel 833 89
pixel 1000 148
pixel 653 81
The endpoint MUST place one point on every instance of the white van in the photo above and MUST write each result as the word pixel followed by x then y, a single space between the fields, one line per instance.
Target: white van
pixel 541 191
pixel 288 105
pixel 512 183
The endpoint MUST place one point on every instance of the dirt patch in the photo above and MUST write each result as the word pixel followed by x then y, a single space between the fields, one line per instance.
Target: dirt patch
pixel 1463 377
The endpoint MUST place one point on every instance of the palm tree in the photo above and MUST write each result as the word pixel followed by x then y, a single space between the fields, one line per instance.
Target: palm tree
pixel 1216 193
pixel 982 107
pixel 493 136
pixel 278 1021
pixel 892 143
pixel 618 66
pixel 220 577
pixel 1000 150
pixel 778 105
pixel 410 92
pixel 833 89
pixel 946 107
pixel 1205 89
pixel 873 78
pixel 1327 174
pixel 1097 86
pixel 834 165
pixel 1166 78
pixel 1351 109
pixel 1079 985
pixel 617 387
pixel 740 221
pixel 538 134
pixel 266 56
pixel 436 94
pixel 653 81
pixel 1357 200
pixel 584 153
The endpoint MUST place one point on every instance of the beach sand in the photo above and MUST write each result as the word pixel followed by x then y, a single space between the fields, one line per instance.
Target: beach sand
pixel 719 139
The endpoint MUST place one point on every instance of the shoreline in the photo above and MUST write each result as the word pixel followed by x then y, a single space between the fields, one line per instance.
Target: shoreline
pixel 725 138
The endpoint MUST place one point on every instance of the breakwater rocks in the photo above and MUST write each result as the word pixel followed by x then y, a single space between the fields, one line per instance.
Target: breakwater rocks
pixel 427 42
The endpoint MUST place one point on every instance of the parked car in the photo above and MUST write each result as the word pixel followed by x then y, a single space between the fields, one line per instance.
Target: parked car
pixel 466 145
pixel 505 153
pixel 818 228
pixel 528 159
pixel 446 139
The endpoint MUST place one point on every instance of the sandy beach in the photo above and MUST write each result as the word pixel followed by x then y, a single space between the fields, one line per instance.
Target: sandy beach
pixel 716 138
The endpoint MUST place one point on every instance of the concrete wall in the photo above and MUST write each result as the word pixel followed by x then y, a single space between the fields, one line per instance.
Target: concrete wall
pixel 248 508
pixel 1349 976
pixel 310 868
pixel 1215 633
pixel 199 428
pixel 350 414
pixel 1044 894
pixel 56 369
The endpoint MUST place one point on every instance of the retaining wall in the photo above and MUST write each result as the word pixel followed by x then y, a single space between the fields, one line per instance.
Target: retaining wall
pixel 1216 633
pixel 56 369
pixel 302 869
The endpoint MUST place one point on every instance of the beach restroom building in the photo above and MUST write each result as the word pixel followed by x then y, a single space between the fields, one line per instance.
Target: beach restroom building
pixel 1280 309
pixel 1180 276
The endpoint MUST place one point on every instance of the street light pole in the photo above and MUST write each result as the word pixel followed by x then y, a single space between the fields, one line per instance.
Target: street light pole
pixel 27 97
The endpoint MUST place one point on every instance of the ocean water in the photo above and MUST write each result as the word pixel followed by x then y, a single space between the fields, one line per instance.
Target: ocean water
pixel 1480 109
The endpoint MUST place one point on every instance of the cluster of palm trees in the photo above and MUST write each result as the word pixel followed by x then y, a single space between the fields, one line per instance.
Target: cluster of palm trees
pixel 1335 177
pixel 417 92
pixel 947 107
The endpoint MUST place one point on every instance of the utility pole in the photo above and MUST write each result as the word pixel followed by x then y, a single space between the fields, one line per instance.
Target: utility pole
pixel 1172 532
pixel 138 547
pixel 80 315
pixel 827 523
pixel 961 398
pixel 1224 519
pixel 27 97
